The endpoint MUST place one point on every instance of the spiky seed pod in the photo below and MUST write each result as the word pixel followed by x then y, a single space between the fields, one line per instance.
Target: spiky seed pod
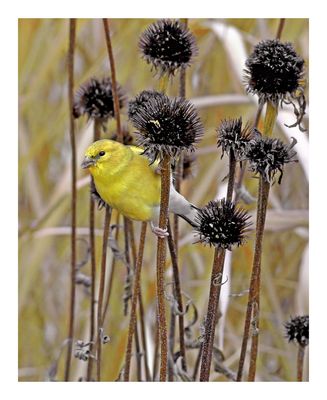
pixel 231 136
pixel 95 99
pixel 168 45
pixel 128 139
pixel 267 156
pixel 274 71
pixel 167 126
pixel 140 101
pixel 221 224
pixel 298 329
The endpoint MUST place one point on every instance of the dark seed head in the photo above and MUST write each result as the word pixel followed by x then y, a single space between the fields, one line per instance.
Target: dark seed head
pixel 95 98
pixel 298 329
pixel 267 156
pixel 166 126
pixel 273 70
pixel 168 45
pixel 221 224
pixel 231 136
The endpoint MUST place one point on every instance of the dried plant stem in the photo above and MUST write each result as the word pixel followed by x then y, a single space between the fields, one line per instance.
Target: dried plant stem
pixel 300 362
pixel 96 136
pixel 253 307
pixel 215 287
pixel 111 275
pixel 211 317
pixel 136 290
pixel 156 352
pixel 141 309
pixel 254 294
pixel 71 51
pixel 178 296
pixel 161 261
pixel 270 118
pixel 101 286
pixel 113 78
pixel 280 28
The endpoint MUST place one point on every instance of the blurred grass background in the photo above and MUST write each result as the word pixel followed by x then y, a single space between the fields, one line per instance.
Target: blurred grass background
pixel 44 198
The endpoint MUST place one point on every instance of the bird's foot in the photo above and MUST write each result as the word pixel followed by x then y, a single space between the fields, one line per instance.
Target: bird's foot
pixel 161 233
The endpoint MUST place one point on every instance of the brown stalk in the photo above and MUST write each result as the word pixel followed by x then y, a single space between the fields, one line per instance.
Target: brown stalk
pixel 178 180
pixel 178 296
pixel 108 209
pixel 215 287
pixel 106 26
pixel 101 286
pixel 136 291
pixel 300 361
pixel 141 310
pixel 96 136
pixel 254 294
pixel 71 51
pixel 161 261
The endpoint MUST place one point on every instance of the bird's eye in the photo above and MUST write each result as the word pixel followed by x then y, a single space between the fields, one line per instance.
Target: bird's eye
pixel 102 153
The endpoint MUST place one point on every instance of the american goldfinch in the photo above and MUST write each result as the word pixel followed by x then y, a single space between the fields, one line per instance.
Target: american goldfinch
pixel 125 180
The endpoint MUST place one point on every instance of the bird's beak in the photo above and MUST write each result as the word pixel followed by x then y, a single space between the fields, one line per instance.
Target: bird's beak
pixel 87 162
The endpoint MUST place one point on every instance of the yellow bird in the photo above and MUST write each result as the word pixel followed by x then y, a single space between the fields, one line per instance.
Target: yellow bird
pixel 125 180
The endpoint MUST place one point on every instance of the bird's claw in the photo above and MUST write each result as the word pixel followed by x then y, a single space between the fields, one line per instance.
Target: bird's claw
pixel 161 233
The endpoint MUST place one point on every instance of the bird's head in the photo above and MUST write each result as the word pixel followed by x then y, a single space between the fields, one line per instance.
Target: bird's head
pixel 103 155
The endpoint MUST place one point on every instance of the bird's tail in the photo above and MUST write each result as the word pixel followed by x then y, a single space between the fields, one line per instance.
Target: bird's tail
pixel 183 208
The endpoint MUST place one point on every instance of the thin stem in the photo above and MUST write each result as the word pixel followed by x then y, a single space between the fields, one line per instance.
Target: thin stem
pixel 156 352
pixel 136 290
pixel 197 363
pixel 178 296
pixel 270 118
pixel 111 276
pixel 254 295
pixel 106 26
pixel 96 136
pixel 215 288
pixel 211 317
pixel 280 28
pixel 141 310
pixel 101 286
pixel 300 362
pixel 71 51
pixel 161 260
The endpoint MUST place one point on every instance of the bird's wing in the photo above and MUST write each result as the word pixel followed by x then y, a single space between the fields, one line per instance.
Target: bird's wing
pixel 139 151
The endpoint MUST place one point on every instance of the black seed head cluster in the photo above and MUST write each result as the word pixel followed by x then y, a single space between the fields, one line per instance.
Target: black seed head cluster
pixel 231 136
pixel 221 224
pixel 95 98
pixel 168 45
pixel 273 70
pixel 128 139
pixel 166 126
pixel 298 329
pixel 140 101
pixel 267 156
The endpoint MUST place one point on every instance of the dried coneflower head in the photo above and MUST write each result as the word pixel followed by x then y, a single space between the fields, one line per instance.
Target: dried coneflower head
pixel 297 329
pixel 95 99
pixel 267 156
pixel 221 224
pixel 128 139
pixel 274 71
pixel 167 126
pixel 168 45
pixel 231 136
